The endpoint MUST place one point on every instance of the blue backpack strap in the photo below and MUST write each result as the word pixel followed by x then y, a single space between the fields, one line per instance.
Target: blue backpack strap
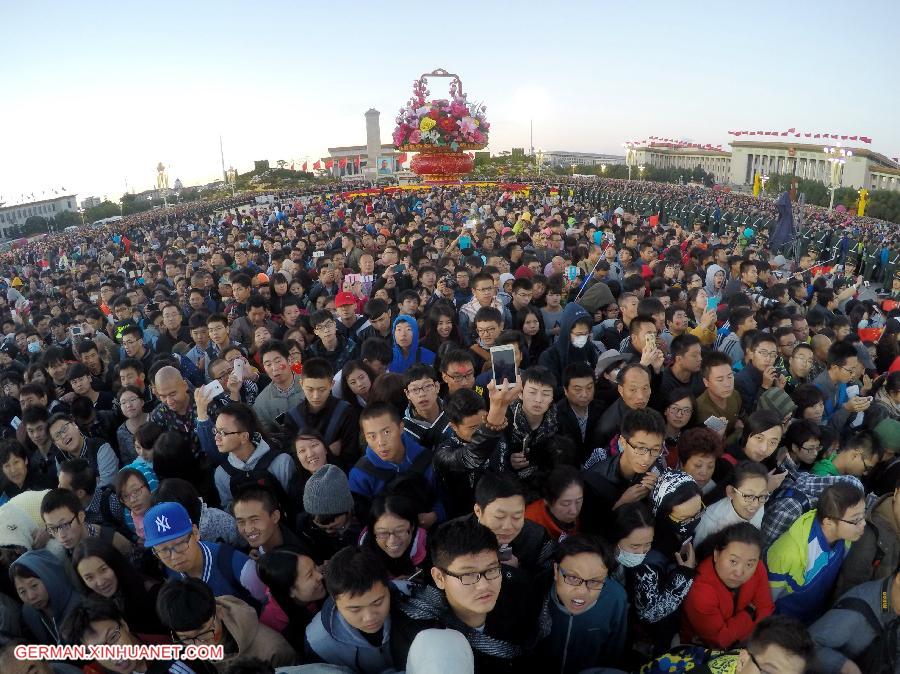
pixel 225 566
pixel 295 414
pixel 335 420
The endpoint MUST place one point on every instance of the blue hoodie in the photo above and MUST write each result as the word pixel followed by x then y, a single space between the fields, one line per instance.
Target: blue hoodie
pixel 597 636
pixel 417 354
pixel 63 596
pixel 369 486
pixel 562 352
pixel 331 639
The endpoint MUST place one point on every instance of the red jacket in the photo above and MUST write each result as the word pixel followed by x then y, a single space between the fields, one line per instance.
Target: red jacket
pixel 709 614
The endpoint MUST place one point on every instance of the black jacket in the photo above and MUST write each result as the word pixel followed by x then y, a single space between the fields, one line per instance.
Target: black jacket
pixel 568 426
pixel 458 466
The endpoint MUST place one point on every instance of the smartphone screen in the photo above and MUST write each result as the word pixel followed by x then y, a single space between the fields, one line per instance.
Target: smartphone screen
pixel 712 303
pixel 573 273
pixel 465 242
pixel 686 546
pixel 399 268
pixel 503 362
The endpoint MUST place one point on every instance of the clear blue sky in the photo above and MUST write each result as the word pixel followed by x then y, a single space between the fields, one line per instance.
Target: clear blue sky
pixel 95 93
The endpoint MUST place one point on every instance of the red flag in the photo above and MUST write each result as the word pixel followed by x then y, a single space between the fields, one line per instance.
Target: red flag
pixel 792 130
pixel 834 135
pixel 865 139
pixel 796 135
pixel 784 133
pixel 807 134
pixel 843 137
pixel 342 162
pixel 304 167
pixel 753 133
pixel 853 137
pixel 317 165
pixel 329 164
pixel 401 158
pixel 818 135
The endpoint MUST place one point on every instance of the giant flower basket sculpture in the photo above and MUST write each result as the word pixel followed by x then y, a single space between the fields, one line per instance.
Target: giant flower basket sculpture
pixel 440 131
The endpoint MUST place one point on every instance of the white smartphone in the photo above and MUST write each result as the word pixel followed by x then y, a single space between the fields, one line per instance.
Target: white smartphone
pixel 503 364
pixel 715 424
pixel 213 388
pixel 239 367
pixel 318 253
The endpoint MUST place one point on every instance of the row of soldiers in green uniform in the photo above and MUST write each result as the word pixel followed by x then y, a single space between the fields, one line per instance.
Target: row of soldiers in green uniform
pixel 875 260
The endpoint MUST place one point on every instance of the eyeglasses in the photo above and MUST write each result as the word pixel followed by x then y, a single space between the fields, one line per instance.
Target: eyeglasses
pixel 767 354
pixel 644 451
pixel 752 498
pixel 219 433
pixel 575 581
pixel 63 527
pixel 846 369
pixel 756 664
pixel 325 327
pixel 459 378
pixel 490 330
pixel 61 432
pixel 175 549
pixel 866 467
pixel 133 494
pixel 814 448
pixel 385 536
pixel 472 578
pixel 197 638
pixel 678 519
pixel 419 390
pixel 680 411
pixel 853 523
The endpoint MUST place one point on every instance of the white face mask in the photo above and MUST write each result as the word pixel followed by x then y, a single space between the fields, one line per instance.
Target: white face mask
pixel 629 559
pixel 579 342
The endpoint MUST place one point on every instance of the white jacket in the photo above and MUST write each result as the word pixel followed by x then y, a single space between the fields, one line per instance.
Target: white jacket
pixel 720 515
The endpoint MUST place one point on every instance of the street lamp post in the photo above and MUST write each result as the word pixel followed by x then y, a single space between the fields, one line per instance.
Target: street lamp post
pixel 573 170
pixel 837 156
pixel 540 160
pixel 81 213
pixel 603 169
pixel 630 156
pixel 764 178
pixel 641 171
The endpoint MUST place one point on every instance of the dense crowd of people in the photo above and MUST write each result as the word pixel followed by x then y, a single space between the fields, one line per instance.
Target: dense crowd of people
pixel 588 426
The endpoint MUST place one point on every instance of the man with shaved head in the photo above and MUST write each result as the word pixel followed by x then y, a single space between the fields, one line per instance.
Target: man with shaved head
pixel 176 410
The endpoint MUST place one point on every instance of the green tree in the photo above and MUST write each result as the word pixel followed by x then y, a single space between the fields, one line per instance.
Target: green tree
pixel 884 204
pixel 35 225
pixel 106 209
pixel 66 219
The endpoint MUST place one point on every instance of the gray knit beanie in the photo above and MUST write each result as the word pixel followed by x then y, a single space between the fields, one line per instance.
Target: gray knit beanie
pixel 327 492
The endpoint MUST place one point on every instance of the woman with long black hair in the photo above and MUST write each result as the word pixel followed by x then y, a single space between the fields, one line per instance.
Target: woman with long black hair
pixel 392 532
pixel 530 323
pixel 105 572
pixel 296 591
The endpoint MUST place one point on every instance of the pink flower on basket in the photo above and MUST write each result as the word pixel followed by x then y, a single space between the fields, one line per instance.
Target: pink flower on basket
pixel 468 125
pixel 459 110
pixel 415 136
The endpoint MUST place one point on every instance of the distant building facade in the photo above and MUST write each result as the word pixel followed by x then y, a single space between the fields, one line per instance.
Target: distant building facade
pixel 566 159
pixel 865 168
pixel 663 156
pixel 17 214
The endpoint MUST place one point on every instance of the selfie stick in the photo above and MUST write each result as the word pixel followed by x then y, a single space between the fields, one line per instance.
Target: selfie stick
pixel 587 278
